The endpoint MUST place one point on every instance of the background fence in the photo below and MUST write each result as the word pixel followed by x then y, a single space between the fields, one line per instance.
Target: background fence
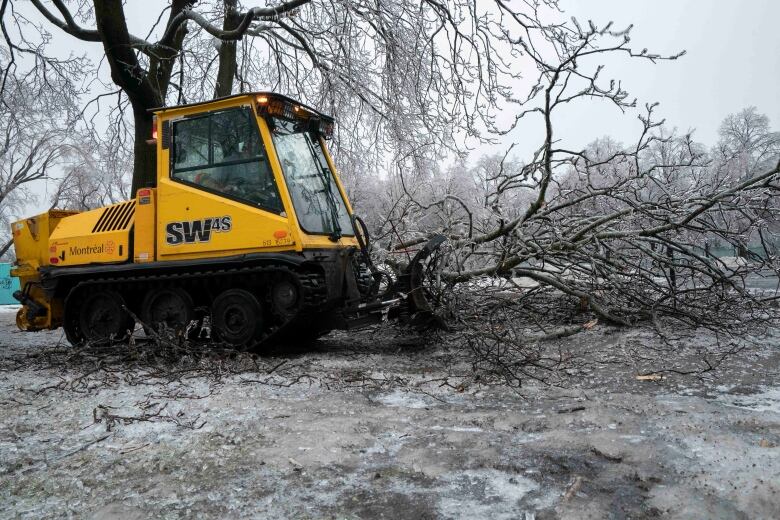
pixel 8 285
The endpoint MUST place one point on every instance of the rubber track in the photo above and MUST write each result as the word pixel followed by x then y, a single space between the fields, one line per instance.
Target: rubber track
pixel 313 284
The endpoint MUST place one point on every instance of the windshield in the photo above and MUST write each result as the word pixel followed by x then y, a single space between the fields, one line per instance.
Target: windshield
pixel 315 195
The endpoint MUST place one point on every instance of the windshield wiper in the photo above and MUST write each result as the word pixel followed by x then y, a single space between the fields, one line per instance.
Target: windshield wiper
pixel 334 210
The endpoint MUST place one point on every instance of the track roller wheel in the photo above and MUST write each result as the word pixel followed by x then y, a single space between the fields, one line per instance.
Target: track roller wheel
pixel 286 293
pixel 236 317
pixel 102 318
pixel 170 308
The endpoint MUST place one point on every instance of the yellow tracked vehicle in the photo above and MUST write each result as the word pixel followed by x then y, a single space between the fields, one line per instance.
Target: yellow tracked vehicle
pixel 247 237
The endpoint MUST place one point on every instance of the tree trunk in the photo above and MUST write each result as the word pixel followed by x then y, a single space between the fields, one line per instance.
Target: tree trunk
pixel 145 155
pixel 227 53
pixel 126 72
pixel 164 57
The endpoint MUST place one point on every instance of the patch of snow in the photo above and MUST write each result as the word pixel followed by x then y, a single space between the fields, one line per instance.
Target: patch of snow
pixel 733 262
pixel 525 283
pixel 766 401
pixel 473 429
pixel 633 439
pixel 524 437
pixel 485 493
pixel 10 309
pixel 402 399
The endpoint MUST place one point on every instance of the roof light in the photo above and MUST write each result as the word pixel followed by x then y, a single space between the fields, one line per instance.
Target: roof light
pixel 262 99
pixel 153 140
pixel 280 108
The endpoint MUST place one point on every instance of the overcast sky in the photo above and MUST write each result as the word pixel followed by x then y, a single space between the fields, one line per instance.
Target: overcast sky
pixel 732 62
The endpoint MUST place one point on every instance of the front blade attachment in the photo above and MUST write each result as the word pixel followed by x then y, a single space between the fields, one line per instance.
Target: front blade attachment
pixel 421 282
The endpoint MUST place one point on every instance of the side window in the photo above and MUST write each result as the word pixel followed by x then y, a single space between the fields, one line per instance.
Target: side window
pixel 233 137
pixel 192 143
pixel 222 153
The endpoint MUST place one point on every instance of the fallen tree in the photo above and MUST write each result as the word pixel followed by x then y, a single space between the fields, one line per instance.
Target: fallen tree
pixel 621 234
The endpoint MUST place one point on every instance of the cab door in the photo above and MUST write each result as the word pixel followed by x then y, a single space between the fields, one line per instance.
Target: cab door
pixel 220 196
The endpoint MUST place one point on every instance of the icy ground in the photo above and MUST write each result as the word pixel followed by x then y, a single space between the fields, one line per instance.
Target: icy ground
pixel 375 426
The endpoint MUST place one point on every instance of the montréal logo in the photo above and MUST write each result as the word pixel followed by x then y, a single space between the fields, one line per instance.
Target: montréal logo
pixel 87 250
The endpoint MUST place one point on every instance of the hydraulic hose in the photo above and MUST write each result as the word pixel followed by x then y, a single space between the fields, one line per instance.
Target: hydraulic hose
pixel 362 236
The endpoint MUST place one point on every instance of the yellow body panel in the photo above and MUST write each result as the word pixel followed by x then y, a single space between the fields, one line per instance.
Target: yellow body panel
pixel 82 239
pixel 31 239
pixel 145 236
pixel 31 243
pixel 249 229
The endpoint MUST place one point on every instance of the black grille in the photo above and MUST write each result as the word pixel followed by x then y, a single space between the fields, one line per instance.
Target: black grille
pixel 115 217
